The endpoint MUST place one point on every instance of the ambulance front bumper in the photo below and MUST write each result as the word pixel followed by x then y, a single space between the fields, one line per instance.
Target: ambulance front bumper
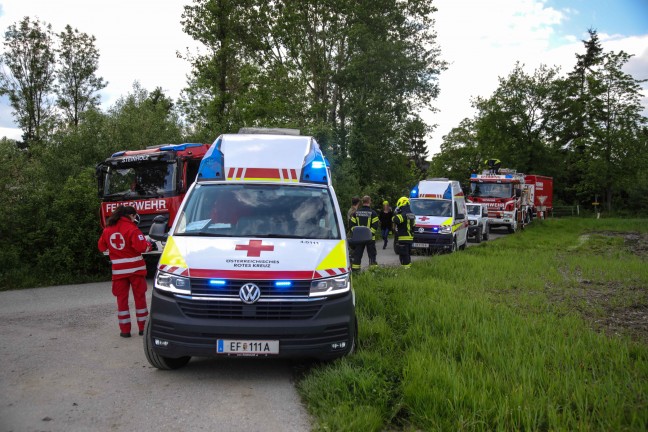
pixel 320 329
pixel 432 241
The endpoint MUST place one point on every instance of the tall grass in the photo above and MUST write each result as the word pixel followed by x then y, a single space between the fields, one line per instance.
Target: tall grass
pixel 476 341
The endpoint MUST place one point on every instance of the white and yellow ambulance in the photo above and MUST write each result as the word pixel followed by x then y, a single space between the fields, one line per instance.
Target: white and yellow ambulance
pixel 441 215
pixel 256 262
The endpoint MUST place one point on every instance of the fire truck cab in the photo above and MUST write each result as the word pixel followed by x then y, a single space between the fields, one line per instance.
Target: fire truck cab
pixel 256 262
pixel 154 181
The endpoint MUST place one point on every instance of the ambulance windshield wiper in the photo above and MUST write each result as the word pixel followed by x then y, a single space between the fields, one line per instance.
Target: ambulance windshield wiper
pixel 203 234
pixel 279 236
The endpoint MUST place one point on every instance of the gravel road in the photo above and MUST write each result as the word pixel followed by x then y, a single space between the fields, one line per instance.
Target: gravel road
pixel 63 367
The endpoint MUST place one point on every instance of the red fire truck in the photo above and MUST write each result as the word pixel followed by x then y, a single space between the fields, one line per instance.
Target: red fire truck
pixel 512 198
pixel 154 181
pixel 540 191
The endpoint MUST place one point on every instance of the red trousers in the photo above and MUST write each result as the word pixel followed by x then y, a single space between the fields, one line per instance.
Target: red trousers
pixel 120 289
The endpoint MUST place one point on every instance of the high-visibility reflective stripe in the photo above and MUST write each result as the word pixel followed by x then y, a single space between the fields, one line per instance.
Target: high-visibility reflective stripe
pixel 126 271
pixel 141 318
pixel 124 321
pixel 406 265
pixel 141 310
pixel 355 265
pixel 122 313
pixel 126 260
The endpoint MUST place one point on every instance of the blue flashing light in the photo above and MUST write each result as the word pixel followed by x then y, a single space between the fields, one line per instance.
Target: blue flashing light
pixel 119 153
pixel 473 175
pixel 212 167
pixel 435 229
pixel 314 161
pixel 217 282
pixel 179 147
pixel 508 176
pixel 448 192
pixel 283 284
pixel 414 193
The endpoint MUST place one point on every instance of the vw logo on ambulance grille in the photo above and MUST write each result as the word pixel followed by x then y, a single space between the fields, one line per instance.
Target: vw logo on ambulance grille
pixel 249 293
pixel 421 230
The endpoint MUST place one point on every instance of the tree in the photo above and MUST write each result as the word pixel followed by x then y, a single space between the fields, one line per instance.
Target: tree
pixel 29 79
pixel 78 61
pixel 414 136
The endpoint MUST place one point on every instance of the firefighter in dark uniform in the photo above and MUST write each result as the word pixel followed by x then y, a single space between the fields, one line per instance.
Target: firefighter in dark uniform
pixel 404 221
pixel 365 216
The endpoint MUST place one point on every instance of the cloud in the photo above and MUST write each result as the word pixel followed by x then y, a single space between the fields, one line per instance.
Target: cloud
pixel 483 40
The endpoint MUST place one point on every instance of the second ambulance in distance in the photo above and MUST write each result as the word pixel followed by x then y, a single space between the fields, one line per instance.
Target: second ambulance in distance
pixel 256 262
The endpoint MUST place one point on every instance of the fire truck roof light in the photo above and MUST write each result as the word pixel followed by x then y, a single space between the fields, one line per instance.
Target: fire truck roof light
pixel 473 175
pixel 179 147
pixel 119 153
pixel 508 176
pixel 212 166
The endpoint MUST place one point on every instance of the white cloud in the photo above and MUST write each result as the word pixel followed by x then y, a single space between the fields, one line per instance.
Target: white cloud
pixel 11 133
pixel 483 40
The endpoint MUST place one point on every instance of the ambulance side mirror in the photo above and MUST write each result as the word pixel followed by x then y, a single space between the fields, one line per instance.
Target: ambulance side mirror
pixel 158 230
pixel 461 216
pixel 360 235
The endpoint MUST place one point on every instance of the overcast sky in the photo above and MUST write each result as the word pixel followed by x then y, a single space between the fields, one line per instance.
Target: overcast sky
pixel 481 40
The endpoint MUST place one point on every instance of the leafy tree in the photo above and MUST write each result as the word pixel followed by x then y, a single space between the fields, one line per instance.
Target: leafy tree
pixel 78 61
pixel 29 79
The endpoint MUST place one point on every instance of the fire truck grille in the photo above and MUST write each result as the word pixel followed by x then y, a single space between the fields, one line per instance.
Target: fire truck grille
pixel 217 309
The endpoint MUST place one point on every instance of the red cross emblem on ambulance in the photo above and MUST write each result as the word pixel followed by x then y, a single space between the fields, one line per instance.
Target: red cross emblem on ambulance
pixel 255 247
pixel 424 218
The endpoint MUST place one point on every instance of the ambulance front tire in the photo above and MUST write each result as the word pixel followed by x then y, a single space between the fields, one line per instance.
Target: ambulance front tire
pixel 156 360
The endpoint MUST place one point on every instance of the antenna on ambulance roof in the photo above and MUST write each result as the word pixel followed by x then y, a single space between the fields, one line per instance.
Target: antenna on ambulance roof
pixel 269 131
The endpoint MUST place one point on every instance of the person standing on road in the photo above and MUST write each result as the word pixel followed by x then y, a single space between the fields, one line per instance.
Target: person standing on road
pixel 355 202
pixel 125 244
pixel 365 216
pixel 404 221
pixel 385 216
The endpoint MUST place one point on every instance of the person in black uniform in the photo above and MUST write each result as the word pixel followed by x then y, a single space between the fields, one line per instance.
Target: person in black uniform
pixel 404 220
pixel 365 216
pixel 385 216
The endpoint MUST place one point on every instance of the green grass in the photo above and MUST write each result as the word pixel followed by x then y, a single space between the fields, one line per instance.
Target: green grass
pixel 497 337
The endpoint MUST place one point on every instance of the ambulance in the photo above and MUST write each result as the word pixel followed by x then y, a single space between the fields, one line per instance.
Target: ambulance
pixel 441 216
pixel 256 261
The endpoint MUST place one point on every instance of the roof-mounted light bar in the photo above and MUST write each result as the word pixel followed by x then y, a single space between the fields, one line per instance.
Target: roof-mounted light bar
pixel 316 167
pixel 212 167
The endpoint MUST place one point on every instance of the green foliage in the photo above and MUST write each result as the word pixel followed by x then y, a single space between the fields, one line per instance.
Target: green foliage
pixel 78 61
pixel 29 58
pixel 585 129
pixel 477 341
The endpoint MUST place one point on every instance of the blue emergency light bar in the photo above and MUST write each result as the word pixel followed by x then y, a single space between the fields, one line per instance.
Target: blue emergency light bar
pixel 212 167
pixel 217 282
pixel 414 193
pixel 179 147
pixel 315 168
pixel 119 153
pixel 283 284
pixel 508 176
pixel 473 175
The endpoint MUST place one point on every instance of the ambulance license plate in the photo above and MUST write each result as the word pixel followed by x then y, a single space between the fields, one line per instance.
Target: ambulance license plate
pixel 247 347
pixel 420 245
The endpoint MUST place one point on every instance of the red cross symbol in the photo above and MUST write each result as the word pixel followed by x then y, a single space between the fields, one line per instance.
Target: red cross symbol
pixel 117 241
pixel 424 218
pixel 254 248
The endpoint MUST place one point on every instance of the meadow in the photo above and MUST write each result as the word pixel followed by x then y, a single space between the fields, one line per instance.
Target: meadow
pixel 541 330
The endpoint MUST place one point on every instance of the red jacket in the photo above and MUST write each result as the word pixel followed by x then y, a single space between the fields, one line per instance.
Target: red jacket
pixel 125 244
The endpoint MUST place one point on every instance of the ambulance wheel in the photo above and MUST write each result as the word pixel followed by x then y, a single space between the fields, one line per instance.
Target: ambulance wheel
pixel 454 246
pixel 354 337
pixel 464 245
pixel 156 360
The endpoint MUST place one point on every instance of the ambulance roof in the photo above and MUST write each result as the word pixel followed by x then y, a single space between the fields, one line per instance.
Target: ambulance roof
pixel 436 189
pixel 264 157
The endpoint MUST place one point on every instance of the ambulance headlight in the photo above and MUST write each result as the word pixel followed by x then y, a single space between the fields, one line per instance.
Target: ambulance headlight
pixel 445 229
pixel 330 286
pixel 172 283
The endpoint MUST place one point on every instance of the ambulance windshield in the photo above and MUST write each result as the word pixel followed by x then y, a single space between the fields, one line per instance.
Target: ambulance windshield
pixel 491 190
pixel 431 207
pixel 143 179
pixel 280 211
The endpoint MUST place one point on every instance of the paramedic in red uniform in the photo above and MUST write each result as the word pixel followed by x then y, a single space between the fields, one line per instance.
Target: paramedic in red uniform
pixel 125 244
